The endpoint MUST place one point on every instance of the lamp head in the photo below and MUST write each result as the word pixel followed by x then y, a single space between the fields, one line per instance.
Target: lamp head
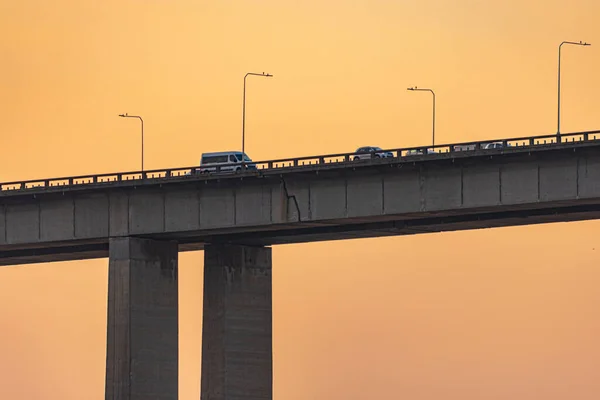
pixel 123 115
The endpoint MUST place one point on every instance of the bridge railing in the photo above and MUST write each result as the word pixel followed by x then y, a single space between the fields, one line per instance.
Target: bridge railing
pixel 297 162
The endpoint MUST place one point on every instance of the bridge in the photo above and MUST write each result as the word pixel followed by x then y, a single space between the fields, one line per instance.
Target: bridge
pixel 141 220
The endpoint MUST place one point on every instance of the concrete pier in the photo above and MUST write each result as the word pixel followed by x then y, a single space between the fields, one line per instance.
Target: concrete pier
pixel 142 332
pixel 237 356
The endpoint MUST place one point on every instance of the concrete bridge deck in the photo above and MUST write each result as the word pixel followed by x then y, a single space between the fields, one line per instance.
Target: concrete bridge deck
pixel 402 195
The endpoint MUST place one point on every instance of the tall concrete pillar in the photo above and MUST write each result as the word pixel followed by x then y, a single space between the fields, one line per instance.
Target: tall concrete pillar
pixel 237 355
pixel 142 334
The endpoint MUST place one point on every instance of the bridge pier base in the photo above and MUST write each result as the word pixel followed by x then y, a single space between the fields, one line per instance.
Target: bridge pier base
pixel 142 332
pixel 237 356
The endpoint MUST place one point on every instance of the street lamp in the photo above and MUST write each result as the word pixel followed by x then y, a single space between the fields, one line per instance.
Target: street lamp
pixel 244 107
pixel 559 47
pixel 433 93
pixel 140 118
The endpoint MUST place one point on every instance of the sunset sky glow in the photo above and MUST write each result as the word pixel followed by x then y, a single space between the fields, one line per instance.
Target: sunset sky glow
pixel 508 313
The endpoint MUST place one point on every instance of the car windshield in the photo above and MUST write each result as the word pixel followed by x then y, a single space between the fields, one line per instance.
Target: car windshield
pixel 239 157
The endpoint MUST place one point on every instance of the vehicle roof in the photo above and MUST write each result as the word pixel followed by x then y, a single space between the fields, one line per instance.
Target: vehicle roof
pixel 221 153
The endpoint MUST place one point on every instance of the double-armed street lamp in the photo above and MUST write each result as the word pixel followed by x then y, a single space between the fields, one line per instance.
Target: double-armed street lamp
pixel 244 108
pixel 433 93
pixel 580 43
pixel 140 118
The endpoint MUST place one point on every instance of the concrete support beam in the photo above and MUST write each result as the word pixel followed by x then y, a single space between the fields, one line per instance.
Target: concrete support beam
pixel 142 332
pixel 237 334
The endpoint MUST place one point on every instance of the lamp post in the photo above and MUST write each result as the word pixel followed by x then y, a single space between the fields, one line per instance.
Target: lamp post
pixel 244 108
pixel 140 118
pixel 559 48
pixel 433 93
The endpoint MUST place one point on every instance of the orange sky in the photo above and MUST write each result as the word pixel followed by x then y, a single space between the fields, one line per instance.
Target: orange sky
pixel 498 314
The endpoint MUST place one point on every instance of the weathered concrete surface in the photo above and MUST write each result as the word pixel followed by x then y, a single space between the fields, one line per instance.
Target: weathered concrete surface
pixel 402 192
pixel 327 199
pixel 118 209
pixel 2 224
pixel 519 183
pixel 142 329
pixel 182 210
pixel 57 220
pixel 146 212
pixel 91 215
pixel 365 195
pixel 23 223
pixel 558 179
pixel 237 357
pixel 217 207
pixel 588 174
pixel 481 185
pixel 255 209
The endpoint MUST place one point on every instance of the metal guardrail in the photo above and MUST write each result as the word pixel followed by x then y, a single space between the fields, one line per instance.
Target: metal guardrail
pixel 293 163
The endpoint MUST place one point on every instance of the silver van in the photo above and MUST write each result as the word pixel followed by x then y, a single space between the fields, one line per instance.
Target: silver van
pixel 228 161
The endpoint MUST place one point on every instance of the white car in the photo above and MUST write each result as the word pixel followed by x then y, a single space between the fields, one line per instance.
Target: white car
pixel 367 152
pixel 494 145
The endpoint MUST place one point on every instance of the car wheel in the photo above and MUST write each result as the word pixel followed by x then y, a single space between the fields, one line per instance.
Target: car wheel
pixel 356 158
pixel 377 156
pixel 238 169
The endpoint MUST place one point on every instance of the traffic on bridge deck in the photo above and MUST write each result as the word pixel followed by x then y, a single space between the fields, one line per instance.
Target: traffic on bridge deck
pixel 234 163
